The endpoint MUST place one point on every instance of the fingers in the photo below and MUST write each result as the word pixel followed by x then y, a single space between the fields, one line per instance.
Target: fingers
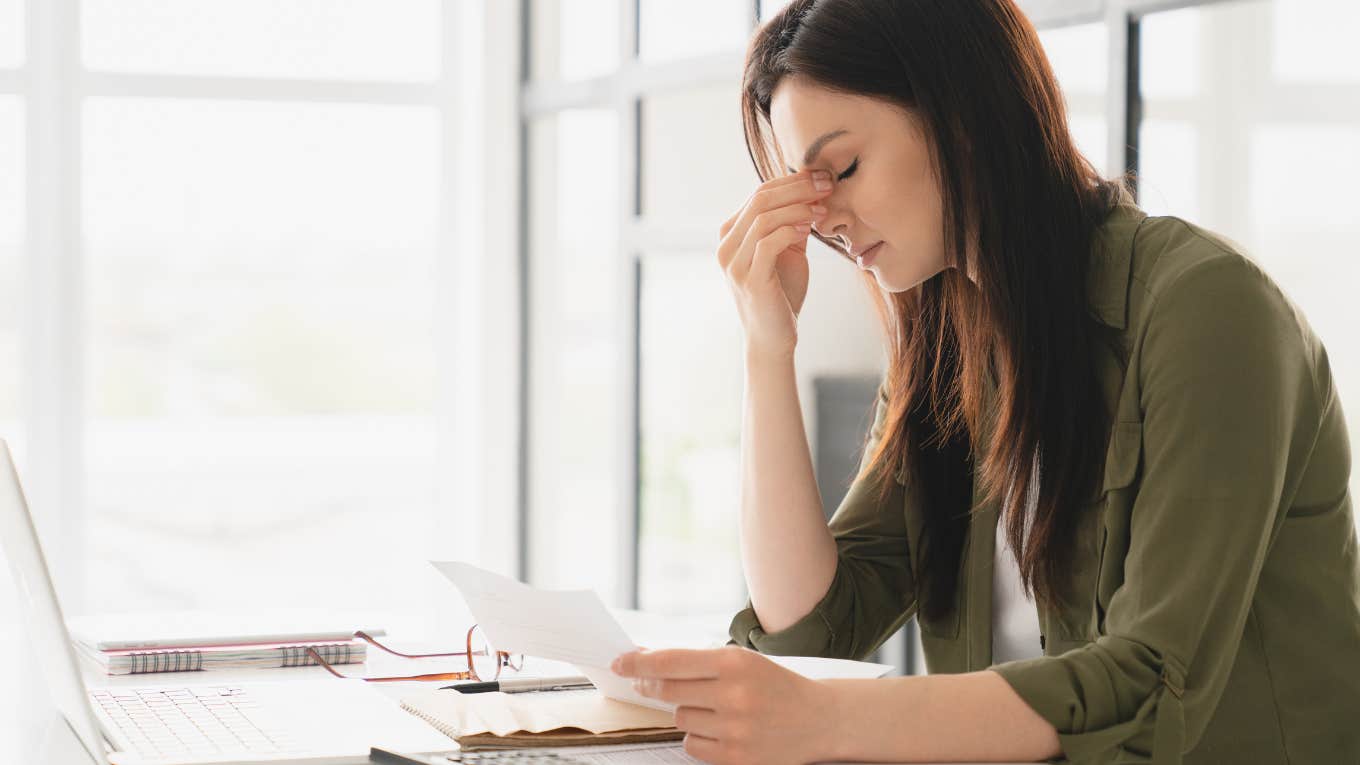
pixel 784 180
pixel 705 694
pixel 672 663
pixel 767 251
pixel 702 722
pixel 767 198
pixel 767 223
pixel 702 748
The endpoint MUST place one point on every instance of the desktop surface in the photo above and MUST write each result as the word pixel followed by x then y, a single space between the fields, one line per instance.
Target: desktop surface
pixel 56 744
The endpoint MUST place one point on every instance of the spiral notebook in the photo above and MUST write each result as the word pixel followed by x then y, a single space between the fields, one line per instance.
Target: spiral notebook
pixel 134 661
pixel 178 641
pixel 551 718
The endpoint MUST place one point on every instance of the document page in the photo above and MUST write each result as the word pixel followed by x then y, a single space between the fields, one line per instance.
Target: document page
pixel 574 626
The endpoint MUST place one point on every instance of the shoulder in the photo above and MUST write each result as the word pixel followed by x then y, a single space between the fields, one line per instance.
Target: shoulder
pixel 1168 251
pixel 1196 292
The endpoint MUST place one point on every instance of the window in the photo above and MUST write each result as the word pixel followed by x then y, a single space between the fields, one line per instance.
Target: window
pixel 573 39
pixel 1079 56
pixel 578 389
pixel 691 387
pixel 11 34
pixel 671 30
pixel 257 376
pixel 363 40
pixel 260 361
pixel 694 170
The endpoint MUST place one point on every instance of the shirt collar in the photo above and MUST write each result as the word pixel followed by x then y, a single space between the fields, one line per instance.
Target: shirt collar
pixel 1107 278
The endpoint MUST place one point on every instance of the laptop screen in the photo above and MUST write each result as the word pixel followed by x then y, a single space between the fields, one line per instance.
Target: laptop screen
pixel 41 611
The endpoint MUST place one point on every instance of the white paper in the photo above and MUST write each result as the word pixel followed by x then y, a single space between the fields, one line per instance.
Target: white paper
pixel 574 626
pixel 563 625
pixel 821 668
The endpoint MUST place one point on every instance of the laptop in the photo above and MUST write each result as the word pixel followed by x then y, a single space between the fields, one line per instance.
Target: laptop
pixel 329 720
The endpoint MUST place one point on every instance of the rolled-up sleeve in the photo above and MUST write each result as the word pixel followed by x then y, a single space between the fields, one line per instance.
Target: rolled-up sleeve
pixel 872 592
pixel 1230 410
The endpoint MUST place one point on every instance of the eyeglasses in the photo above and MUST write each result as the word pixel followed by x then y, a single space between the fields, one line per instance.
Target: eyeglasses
pixel 484 662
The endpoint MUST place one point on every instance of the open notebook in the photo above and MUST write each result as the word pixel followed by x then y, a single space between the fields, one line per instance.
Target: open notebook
pixel 556 718
pixel 570 718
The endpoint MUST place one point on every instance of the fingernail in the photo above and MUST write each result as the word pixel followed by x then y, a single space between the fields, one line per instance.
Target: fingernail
pixel 818 210
pixel 804 227
pixel 821 179
pixel 617 666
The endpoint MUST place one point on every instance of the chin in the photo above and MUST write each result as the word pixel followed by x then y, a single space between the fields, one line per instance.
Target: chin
pixel 892 279
pixel 890 282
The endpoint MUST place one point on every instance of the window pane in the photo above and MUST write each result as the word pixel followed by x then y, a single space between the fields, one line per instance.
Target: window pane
pixel 1314 40
pixel 694 161
pixel 259 308
pixel 307 39
pixel 1263 156
pixel 11 33
pixel 671 30
pixel 691 377
pixel 1079 56
pixel 573 39
pixel 1168 168
pixel 1172 71
pixel 577 374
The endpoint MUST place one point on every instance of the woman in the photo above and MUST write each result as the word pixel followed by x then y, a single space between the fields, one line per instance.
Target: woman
pixel 1116 423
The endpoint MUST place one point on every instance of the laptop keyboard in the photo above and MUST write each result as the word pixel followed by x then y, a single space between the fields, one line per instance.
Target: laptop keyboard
pixel 199 720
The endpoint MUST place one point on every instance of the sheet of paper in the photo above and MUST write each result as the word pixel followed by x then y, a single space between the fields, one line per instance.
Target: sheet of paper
pixel 574 626
pixel 563 625
pixel 821 668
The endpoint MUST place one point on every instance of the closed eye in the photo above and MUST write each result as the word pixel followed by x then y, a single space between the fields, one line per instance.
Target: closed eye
pixel 849 171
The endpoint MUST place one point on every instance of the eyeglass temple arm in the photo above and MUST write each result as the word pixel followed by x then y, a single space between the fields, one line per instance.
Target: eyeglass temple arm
pixel 369 638
pixel 428 676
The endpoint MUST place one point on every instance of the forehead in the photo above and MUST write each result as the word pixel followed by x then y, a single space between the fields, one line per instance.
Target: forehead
pixel 800 112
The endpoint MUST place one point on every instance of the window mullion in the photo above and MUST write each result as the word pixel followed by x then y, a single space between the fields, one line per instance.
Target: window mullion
pixel 54 308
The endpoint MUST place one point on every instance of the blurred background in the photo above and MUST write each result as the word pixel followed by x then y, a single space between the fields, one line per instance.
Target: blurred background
pixel 298 294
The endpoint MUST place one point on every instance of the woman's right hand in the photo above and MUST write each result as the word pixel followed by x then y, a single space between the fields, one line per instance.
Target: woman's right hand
pixel 763 251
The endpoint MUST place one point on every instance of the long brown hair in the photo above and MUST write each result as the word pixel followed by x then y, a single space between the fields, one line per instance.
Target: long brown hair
pixel 1020 208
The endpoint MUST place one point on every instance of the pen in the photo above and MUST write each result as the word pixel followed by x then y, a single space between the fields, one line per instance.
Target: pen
pixel 525 684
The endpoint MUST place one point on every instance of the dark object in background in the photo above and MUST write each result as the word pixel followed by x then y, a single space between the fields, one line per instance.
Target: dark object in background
pixel 844 412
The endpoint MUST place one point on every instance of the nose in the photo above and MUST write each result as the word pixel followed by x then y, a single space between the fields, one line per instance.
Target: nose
pixel 834 224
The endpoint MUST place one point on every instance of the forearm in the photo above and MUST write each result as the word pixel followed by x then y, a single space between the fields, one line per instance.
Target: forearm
pixel 973 716
pixel 788 555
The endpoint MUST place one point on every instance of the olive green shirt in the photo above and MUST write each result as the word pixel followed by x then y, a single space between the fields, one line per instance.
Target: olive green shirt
pixel 1218 618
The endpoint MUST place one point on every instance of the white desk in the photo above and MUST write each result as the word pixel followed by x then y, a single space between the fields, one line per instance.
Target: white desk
pixel 48 740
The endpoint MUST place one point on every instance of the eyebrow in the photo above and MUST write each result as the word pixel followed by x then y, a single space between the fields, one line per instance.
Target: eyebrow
pixel 817 145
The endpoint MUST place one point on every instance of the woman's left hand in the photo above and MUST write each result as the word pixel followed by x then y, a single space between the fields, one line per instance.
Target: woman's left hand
pixel 735 705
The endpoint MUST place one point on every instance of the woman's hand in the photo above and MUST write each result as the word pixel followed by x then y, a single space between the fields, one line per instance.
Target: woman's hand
pixel 763 251
pixel 735 705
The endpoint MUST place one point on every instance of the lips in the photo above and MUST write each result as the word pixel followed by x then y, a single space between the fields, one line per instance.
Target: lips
pixel 866 256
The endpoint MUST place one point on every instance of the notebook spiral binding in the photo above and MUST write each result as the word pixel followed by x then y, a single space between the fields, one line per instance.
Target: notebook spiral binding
pixel 189 660
pixel 439 725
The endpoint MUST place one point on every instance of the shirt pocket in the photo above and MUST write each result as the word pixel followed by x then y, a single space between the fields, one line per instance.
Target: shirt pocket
pixel 1118 488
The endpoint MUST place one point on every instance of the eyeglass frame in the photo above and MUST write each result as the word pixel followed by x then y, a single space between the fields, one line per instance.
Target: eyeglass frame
pixel 503 659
